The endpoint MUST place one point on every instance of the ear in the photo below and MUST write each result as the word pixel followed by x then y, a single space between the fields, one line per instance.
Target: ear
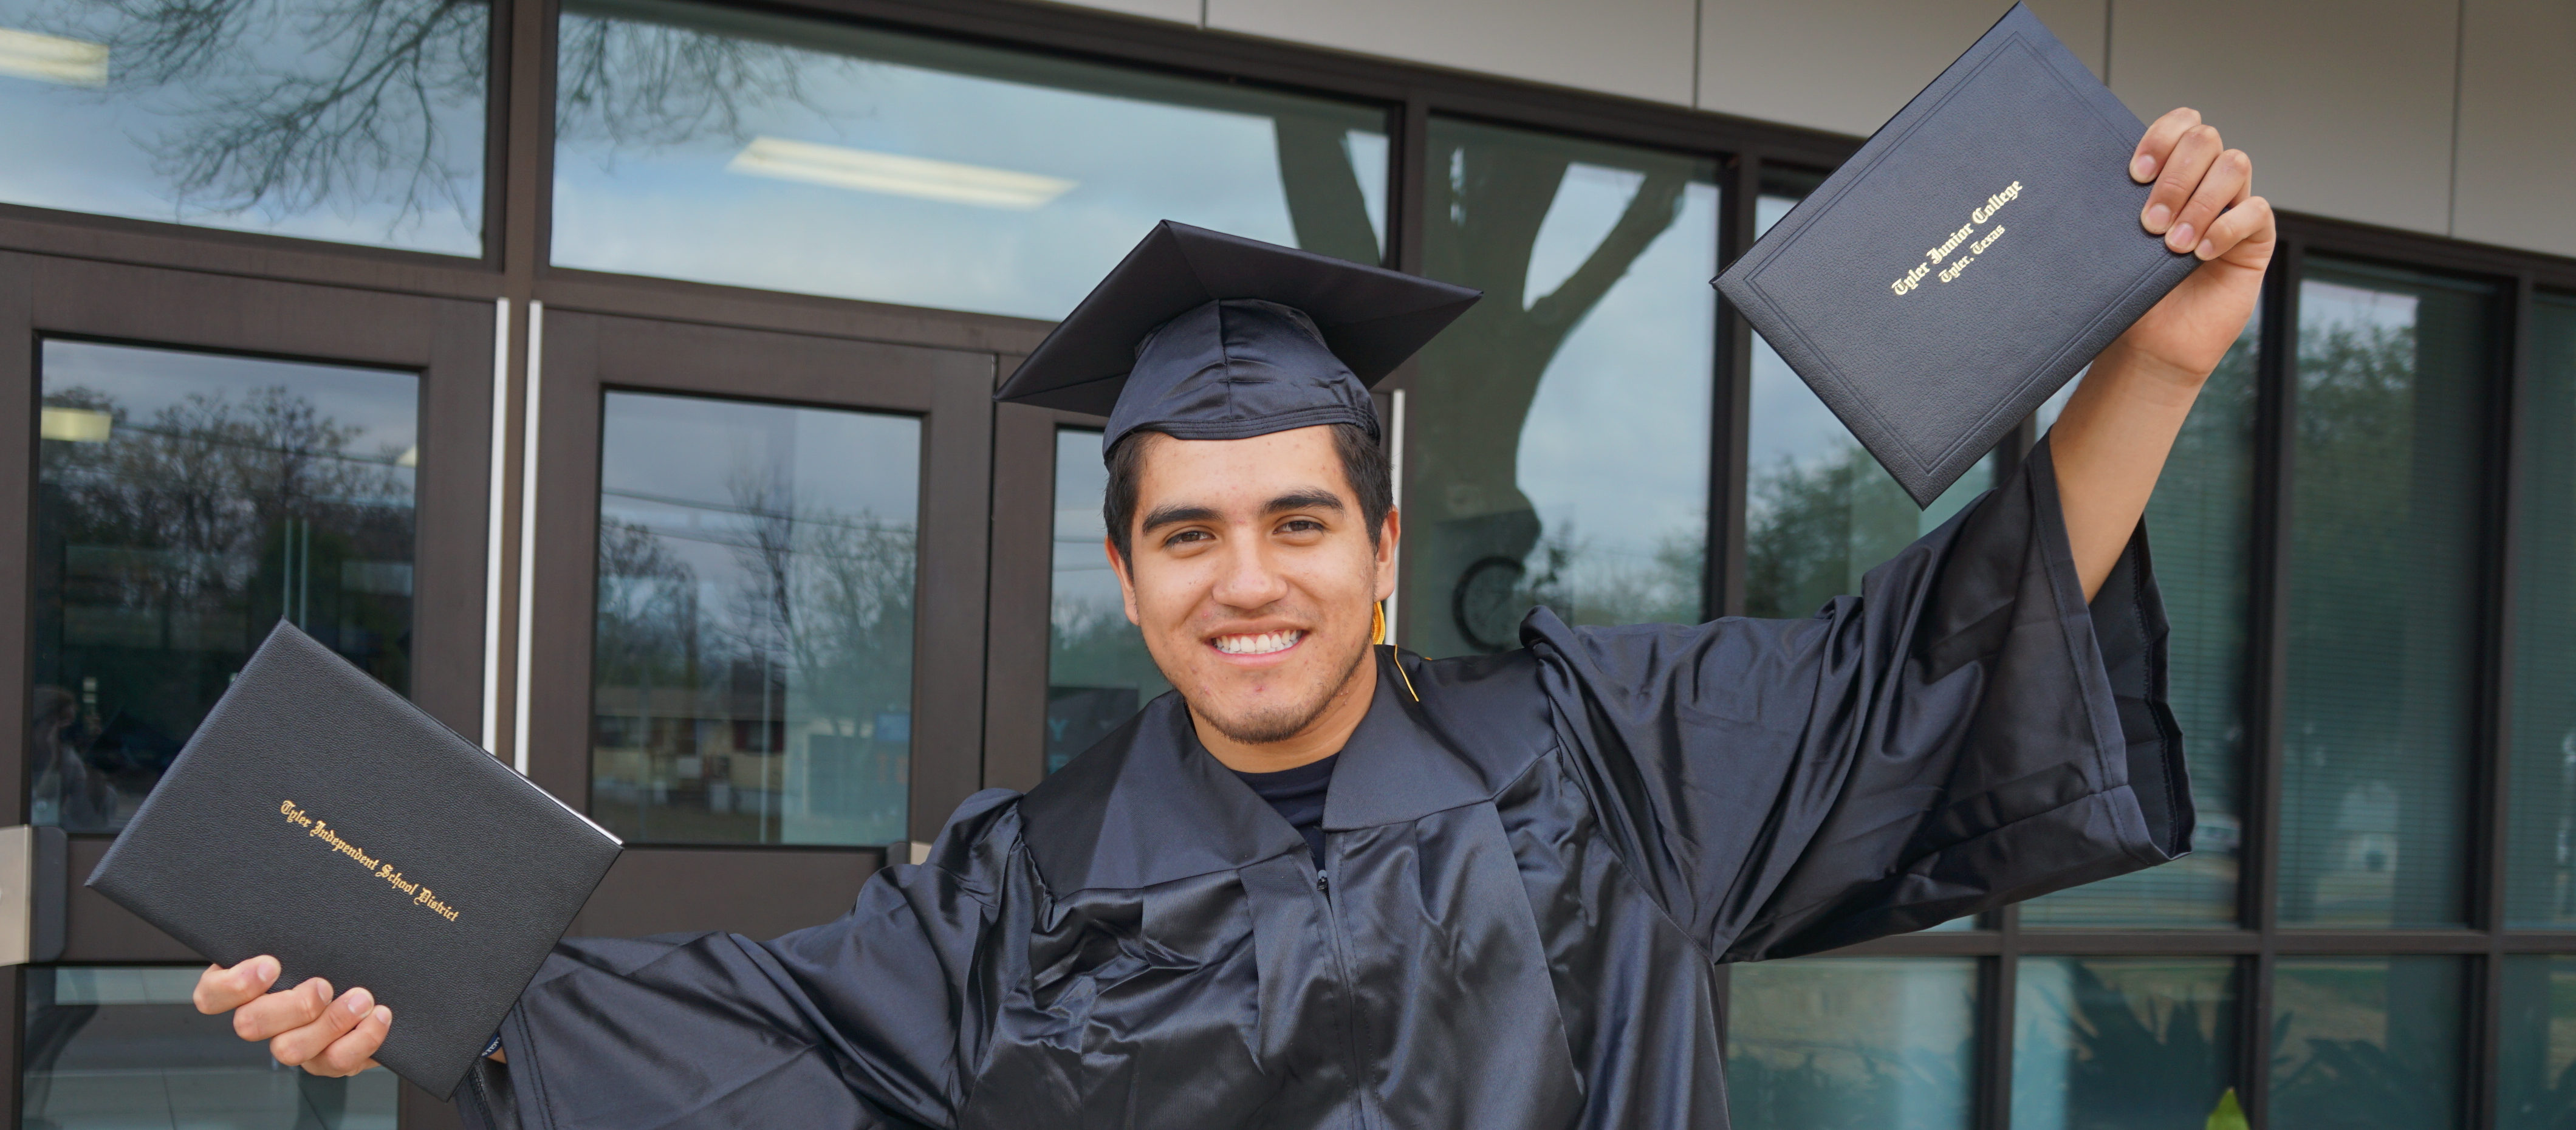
pixel 1388 532
pixel 1126 582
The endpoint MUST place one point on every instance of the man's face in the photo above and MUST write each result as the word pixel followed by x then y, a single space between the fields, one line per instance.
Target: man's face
pixel 1253 577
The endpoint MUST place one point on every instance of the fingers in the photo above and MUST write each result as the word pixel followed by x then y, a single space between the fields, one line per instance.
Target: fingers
pixel 2243 234
pixel 2182 172
pixel 282 1012
pixel 2230 178
pixel 223 990
pixel 308 1042
pixel 354 1052
pixel 2158 142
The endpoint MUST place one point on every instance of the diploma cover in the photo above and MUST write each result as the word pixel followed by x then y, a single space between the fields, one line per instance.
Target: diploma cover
pixel 318 816
pixel 1973 256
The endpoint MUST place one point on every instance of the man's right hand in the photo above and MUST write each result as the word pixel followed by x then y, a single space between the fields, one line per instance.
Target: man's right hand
pixel 304 1026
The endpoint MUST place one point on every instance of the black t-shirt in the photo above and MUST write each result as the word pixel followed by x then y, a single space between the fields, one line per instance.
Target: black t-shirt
pixel 1298 794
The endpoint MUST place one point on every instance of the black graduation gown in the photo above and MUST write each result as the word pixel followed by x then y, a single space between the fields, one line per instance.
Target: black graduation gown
pixel 1534 862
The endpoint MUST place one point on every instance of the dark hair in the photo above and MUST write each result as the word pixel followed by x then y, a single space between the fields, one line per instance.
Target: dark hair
pixel 1364 467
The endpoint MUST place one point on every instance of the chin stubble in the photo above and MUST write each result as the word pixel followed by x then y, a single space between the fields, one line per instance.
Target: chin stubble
pixel 1267 727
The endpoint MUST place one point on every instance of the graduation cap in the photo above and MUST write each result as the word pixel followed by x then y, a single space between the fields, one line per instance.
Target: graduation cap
pixel 1205 335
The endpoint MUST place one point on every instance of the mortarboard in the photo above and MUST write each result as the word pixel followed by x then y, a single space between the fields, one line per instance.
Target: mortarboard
pixel 1205 335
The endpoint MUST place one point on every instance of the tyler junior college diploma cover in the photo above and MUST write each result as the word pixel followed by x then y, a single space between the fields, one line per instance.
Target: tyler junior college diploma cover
pixel 1975 253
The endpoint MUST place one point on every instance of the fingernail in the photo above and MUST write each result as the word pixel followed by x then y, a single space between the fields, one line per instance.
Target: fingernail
pixel 263 969
pixel 321 988
pixel 2157 217
pixel 384 1015
pixel 2206 250
pixel 358 1002
pixel 2180 237
pixel 2141 167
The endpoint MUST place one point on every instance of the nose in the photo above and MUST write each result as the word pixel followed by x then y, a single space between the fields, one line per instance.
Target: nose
pixel 1251 581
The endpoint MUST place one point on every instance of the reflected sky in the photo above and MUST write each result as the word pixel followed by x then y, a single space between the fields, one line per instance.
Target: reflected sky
pixel 387 97
pixel 924 173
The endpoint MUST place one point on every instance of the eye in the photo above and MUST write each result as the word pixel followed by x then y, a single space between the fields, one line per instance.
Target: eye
pixel 1301 526
pixel 1186 536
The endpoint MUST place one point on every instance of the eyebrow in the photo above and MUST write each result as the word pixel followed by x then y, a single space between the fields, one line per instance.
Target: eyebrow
pixel 1179 513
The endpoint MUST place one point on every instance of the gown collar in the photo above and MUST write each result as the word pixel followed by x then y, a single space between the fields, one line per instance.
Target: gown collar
pixel 1149 804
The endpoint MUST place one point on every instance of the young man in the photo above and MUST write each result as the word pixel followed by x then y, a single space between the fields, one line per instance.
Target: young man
pixel 1330 884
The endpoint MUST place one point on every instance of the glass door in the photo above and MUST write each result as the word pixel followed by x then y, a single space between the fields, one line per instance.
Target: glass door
pixel 759 610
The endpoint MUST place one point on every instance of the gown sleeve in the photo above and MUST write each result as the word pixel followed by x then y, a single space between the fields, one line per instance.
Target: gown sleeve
pixel 1965 733
pixel 862 1022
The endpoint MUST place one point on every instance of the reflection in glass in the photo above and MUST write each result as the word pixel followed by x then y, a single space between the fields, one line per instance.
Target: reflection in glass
pixel 1852 1043
pixel 185 503
pixel 696 143
pixel 2541 870
pixel 2122 1043
pixel 359 121
pixel 1560 431
pixel 125 1049
pixel 1819 511
pixel 2384 577
pixel 2366 1043
pixel 1098 671
pixel 2200 526
pixel 753 665
pixel 2536 1057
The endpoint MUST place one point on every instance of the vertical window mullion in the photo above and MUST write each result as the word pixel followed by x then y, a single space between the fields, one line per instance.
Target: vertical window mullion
pixel 2275 403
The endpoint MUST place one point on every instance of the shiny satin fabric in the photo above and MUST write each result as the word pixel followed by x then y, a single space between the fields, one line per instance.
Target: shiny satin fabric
pixel 1532 869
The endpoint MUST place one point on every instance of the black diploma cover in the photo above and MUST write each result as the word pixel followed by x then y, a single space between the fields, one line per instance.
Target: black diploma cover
pixel 318 816
pixel 1973 256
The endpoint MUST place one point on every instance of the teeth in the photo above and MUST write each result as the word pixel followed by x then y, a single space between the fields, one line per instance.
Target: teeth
pixel 1262 644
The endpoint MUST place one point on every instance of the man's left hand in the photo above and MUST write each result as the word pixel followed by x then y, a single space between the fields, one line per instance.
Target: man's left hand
pixel 2204 205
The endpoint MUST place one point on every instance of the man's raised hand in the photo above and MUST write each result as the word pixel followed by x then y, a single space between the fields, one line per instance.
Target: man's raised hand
pixel 305 1026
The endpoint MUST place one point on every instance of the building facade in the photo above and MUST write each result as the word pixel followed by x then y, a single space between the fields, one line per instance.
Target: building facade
pixel 613 377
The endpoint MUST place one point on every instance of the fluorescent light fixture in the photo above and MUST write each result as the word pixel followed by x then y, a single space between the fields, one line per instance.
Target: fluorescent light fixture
pixel 52 58
pixel 78 425
pixel 864 171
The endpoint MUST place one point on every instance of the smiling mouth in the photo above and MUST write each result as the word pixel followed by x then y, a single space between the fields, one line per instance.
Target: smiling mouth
pixel 1262 643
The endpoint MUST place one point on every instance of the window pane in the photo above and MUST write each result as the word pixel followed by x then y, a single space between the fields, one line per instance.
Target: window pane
pixel 1852 1043
pixel 2122 1043
pixel 124 1049
pixel 2366 1043
pixel 2200 525
pixel 2541 873
pixel 2539 1043
pixel 2384 576
pixel 753 669
pixel 1098 671
pixel 1819 511
pixel 186 502
pixel 727 146
pixel 1560 447
pixel 359 121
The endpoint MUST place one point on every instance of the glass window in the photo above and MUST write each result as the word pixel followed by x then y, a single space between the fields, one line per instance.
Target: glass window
pixel 2122 1043
pixel 2200 525
pixel 186 502
pixel 1098 671
pixel 125 1049
pixel 1852 1043
pixel 753 664
pixel 359 121
pixel 2366 1043
pixel 1560 431
pixel 2384 579
pixel 2541 873
pixel 2538 1046
pixel 697 143
pixel 1819 510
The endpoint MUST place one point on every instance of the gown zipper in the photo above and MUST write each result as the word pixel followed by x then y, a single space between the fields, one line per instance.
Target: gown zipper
pixel 1342 967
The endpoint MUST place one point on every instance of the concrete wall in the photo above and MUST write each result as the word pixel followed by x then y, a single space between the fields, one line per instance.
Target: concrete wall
pixel 2453 117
